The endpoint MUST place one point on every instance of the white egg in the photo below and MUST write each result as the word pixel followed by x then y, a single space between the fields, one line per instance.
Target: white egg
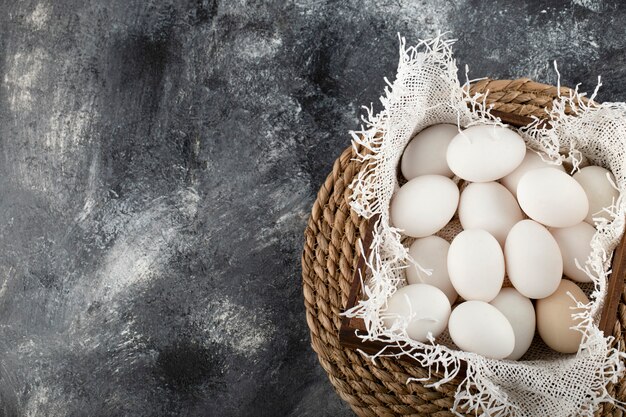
pixel 574 243
pixel 422 308
pixel 485 153
pixel 431 253
pixel 476 265
pixel 533 259
pixel 519 311
pixel 478 327
pixel 531 161
pixel 424 205
pixel 600 192
pixel 426 152
pixel 491 207
pixel 552 197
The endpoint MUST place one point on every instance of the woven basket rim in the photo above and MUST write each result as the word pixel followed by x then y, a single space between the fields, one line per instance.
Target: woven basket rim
pixel 330 256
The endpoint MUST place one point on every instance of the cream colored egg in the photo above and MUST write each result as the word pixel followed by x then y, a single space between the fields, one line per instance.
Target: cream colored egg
pixel 426 152
pixel 554 318
pixel 574 243
pixel 552 197
pixel 422 308
pixel 531 161
pixel 491 207
pixel 431 253
pixel 424 205
pixel 476 326
pixel 533 259
pixel 485 153
pixel 476 265
pixel 519 311
pixel 600 192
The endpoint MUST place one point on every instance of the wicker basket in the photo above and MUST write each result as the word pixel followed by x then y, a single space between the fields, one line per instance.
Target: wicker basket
pixel 330 258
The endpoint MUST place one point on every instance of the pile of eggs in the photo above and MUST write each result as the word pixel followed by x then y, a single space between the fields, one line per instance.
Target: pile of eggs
pixel 522 217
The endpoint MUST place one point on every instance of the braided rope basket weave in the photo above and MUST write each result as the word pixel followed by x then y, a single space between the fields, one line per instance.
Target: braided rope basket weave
pixel 330 257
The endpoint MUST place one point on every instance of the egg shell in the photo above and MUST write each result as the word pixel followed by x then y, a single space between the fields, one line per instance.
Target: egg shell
pixel 599 190
pixel 424 205
pixel 533 259
pixel 431 253
pixel 426 152
pixel 531 161
pixel 424 308
pixel 476 265
pixel 520 313
pixel 491 207
pixel 574 243
pixel 552 197
pixel 479 327
pixel 554 318
pixel 485 153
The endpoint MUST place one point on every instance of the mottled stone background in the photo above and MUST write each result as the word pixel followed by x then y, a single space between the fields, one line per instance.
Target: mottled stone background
pixel 158 160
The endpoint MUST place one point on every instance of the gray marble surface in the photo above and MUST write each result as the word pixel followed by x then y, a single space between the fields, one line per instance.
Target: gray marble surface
pixel 158 160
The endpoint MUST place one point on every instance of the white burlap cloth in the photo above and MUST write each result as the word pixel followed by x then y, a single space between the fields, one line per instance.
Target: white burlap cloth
pixel 427 91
